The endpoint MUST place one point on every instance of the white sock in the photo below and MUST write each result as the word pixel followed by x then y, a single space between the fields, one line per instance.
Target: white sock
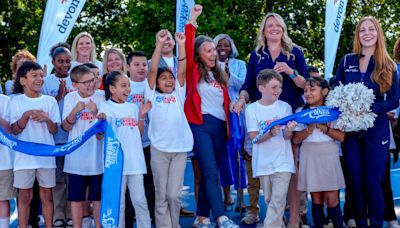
pixel 5 222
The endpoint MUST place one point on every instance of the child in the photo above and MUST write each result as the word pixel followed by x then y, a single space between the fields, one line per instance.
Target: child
pixel 272 157
pixel 80 111
pixel 96 71
pixel 127 121
pixel 169 132
pixel 320 171
pixel 34 118
pixel 58 85
pixel 138 68
pixel 7 191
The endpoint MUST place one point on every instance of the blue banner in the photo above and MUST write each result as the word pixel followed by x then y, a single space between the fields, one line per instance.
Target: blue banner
pixel 113 164
pixel 322 114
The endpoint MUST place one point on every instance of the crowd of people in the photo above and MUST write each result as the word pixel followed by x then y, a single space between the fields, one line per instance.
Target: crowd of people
pixel 171 108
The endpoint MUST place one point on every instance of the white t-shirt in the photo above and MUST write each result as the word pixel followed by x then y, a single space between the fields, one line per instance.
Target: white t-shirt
pixel 317 135
pixel 170 63
pixel 169 129
pixel 7 155
pixel 212 98
pixel 34 131
pixel 50 87
pixel 275 154
pixel 136 97
pixel 97 63
pixel 124 120
pixel 9 87
pixel 91 151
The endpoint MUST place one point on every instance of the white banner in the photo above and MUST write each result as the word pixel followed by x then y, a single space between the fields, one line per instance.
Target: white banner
pixel 183 9
pixel 334 15
pixel 58 20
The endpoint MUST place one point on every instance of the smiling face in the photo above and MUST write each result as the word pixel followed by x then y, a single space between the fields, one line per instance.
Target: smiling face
pixel 138 68
pixel 85 85
pixel 223 49
pixel 33 82
pixel 62 64
pixel 121 89
pixel 168 46
pixel 271 90
pixel 368 34
pixel 314 94
pixel 208 54
pixel 273 31
pixel 84 46
pixel 114 62
pixel 166 82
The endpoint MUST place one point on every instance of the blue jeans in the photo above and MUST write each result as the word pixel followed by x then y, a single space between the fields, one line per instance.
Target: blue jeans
pixel 210 148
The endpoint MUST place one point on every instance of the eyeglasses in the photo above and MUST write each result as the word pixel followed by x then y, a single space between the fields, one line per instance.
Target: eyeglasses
pixel 88 82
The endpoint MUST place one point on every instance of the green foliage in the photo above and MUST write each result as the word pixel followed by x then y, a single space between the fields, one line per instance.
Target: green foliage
pixel 132 24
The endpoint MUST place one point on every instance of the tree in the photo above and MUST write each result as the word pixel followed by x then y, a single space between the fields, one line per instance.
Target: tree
pixel 132 24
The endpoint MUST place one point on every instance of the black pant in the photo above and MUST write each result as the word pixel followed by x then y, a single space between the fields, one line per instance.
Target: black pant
pixel 390 214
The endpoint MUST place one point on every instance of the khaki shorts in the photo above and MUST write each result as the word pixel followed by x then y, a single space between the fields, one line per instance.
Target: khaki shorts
pixel 7 191
pixel 25 178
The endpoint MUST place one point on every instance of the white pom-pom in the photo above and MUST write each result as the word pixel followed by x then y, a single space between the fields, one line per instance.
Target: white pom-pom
pixel 354 101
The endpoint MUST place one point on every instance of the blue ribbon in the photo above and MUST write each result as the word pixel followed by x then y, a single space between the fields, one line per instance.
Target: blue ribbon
pixel 322 114
pixel 113 164
pixel 237 127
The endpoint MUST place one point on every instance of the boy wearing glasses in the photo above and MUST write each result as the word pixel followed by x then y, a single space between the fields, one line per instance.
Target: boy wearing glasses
pixel 79 114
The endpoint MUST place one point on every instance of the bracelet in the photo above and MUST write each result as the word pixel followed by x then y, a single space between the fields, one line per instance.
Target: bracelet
pixel 66 120
pixel 295 74
pixel 19 126
pixel 182 59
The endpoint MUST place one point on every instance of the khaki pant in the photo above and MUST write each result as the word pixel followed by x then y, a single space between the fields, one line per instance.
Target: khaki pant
pixel 253 188
pixel 168 173
pixel 275 189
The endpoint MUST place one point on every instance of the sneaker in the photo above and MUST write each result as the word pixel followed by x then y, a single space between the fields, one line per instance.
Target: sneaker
pixel 205 224
pixel 69 223
pixel 58 223
pixel 250 219
pixel 393 224
pixel 41 220
pixel 87 222
pixel 225 222
pixel 351 223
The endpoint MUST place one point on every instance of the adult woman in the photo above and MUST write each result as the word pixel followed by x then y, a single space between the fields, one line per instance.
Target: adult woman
pixel 83 51
pixel 275 50
pixel 236 71
pixel 20 57
pixel 206 108
pixel 114 60
pixel 365 153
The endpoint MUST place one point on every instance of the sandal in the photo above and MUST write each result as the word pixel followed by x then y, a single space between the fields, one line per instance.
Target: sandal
pixel 59 223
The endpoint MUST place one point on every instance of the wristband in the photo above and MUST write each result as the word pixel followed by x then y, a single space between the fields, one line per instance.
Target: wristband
pixel 182 59
pixel 19 126
pixel 295 74
pixel 66 120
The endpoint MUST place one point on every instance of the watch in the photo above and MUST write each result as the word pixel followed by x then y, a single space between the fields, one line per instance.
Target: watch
pixel 295 74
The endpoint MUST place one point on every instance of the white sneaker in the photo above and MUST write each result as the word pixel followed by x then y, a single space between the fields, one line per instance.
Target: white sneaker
pixel 87 222
pixel 250 219
pixel 393 224
pixel 351 223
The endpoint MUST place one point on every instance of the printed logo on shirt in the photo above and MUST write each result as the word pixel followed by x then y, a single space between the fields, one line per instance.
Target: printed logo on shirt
pixel 165 99
pixel 121 122
pixel 215 84
pixel 351 68
pixel 135 98
pixel 85 115
pixel 264 124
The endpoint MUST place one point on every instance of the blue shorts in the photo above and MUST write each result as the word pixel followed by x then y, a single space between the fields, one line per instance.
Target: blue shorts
pixel 78 185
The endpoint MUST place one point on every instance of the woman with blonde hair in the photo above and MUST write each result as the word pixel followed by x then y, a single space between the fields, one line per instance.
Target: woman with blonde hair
pixel 365 153
pixel 83 51
pixel 114 60
pixel 275 50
